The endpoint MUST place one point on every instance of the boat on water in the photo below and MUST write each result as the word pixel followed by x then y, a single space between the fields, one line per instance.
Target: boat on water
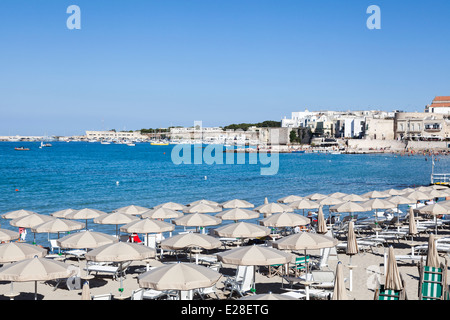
pixel 298 151
pixel 159 143
pixel 44 145
pixel 21 149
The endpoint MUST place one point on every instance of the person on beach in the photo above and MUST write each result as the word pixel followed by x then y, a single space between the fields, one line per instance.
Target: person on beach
pixel 134 238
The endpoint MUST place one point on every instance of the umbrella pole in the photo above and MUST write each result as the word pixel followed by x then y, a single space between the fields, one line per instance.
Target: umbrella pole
pixel 35 290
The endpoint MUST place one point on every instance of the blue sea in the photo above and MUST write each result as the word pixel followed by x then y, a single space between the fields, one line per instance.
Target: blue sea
pixel 81 175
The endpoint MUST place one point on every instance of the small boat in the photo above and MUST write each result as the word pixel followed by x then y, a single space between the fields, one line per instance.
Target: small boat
pixel 130 144
pixel 298 151
pixel 44 145
pixel 159 143
pixel 21 149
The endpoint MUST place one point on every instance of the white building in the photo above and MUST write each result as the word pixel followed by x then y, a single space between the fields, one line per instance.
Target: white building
pixel 440 104
pixel 113 135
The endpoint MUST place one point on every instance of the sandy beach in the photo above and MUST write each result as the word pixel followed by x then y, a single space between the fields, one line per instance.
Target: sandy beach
pixel 368 270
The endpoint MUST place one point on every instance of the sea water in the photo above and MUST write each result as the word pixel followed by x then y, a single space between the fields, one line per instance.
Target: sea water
pixel 81 175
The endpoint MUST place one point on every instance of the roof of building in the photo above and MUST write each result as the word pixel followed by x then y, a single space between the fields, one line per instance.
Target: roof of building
pixel 440 105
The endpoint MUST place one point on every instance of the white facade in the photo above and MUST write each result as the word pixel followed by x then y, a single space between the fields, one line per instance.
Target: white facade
pixel 112 135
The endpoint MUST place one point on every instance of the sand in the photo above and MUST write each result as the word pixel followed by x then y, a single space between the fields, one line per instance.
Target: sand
pixel 368 270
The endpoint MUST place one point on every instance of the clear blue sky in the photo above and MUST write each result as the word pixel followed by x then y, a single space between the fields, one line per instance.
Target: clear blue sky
pixel 155 63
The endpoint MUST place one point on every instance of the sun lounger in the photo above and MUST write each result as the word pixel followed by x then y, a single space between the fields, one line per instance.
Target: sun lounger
pixel 115 270
pixel 433 282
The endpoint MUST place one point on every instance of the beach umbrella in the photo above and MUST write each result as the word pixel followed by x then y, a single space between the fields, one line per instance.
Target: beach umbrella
pixel 393 280
pixel 354 197
pixel 84 214
pixel 329 201
pixel 339 290
pixel 86 240
pixel 267 296
pixel 337 195
pixel 58 225
pixel 197 220
pixel 432 254
pixel 35 269
pixel 349 207
pixel 266 201
pixel 423 189
pixel 204 201
pixel 254 256
pixel 85 293
pixel 120 252
pixel 171 205
pixel 8 235
pixel 412 230
pixel 376 203
pixel 242 230
pixel 236 203
pixel 393 192
pixel 316 196
pixel 179 276
pixel 407 190
pixel 62 213
pixel 351 249
pixel 398 200
pixel 285 219
pixel 289 199
pixel 271 208
pixel 202 208
pixel 115 218
pixel 436 194
pixel 435 210
pixel 16 251
pixel 132 209
pixel 304 204
pixel 17 214
pixel 237 214
pixel 190 241
pixel 162 213
pixel 321 224
pixel 417 195
pixel 305 241
pixel 146 226
pixel 30 221
pixel 375 194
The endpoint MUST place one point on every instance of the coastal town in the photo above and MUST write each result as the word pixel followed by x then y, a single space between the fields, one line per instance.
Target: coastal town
pixel 366 131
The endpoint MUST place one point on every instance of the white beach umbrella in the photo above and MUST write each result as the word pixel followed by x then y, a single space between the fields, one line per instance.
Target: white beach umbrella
pixel 354 198
pixel 237 214
pixel 284 219
pixel 16 251
pixel 84 214
pixel 62 213
pixel 146 226
pixel 271 208
pixel 132 209
pixel 289 199
pixel 242 230
pixel 58 225
pixel 417 195
pixel 204 201
pixel 197 220
pixel 338 195
pixel 30 221
pixel 435 210
pixel 316 196
pixel 236 203
pixel 17 214
pixel 162 213
pixel 375 194
pixel 179 276
pixel 85 240
pixel 8 235
pixel 329 201
pixel 304 204
pixel 202 208
pixel 120 252
pixel 115 218
pixel 35 269
pixel 171 205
